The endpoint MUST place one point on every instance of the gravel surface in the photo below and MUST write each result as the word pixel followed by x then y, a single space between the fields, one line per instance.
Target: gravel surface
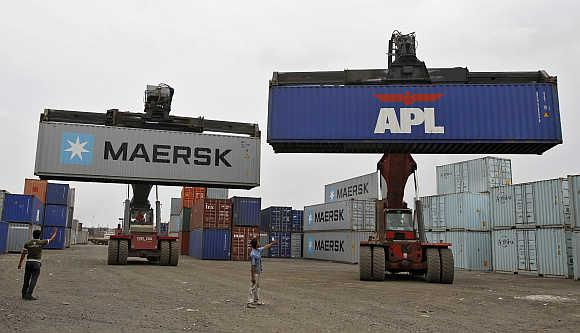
pixel 78 292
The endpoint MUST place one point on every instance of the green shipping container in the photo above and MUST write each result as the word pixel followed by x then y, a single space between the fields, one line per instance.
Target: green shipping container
pixel 185 218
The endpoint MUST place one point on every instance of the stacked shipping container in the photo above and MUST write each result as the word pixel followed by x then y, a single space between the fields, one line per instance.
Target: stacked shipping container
pixel 210 229
pixel 245 226
pixel 296 235
pixel 58 213
pixel 574 191
pixel 188 195
pixel 22 214
pixel 276 224
pixel 3 224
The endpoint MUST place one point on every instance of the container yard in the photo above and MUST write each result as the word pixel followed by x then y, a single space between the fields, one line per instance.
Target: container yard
pixel 399 177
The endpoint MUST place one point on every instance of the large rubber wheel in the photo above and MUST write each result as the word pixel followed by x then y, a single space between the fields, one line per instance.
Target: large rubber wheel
pixel 123 252
pixel 433 274
pixel 365 264
pixel 113 257
pixel 378 256
pixel 447 266
pixel 165 253
pixel 175 249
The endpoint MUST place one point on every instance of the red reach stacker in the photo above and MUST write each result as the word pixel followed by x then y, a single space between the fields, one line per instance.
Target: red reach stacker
pixel 399 243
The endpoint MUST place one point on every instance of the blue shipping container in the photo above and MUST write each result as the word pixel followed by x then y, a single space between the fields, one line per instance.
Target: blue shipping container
pixel 210 244
pixel 55 216
pixel 275 219
pixel 3 236
pixel 282 249
pixel 297 220
pixel 246 211
pixel 59 241
pixel 57 194
pixel 21 208
pixel 437 118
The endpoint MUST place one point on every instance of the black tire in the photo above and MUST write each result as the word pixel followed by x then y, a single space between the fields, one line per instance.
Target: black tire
pixel 364 263
pixel 123 252
pixel 378 255
pixel 174 253
pixel 433 274
pixel 113 255
pixel 447 266
pixel 165 253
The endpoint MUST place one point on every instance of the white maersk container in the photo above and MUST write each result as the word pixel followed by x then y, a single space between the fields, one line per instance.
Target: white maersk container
pixel 364 187
pixel 479 175
pixel 456 211
pixel 341 215
pixel 471 249
pixel 541 203
pixel 341 246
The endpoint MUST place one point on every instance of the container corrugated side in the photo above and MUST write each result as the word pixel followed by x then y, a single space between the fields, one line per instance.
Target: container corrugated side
pixel 342 246
pixel 341 215
pixel 211 214
pixel 276 218
pixel 55 216
pixel 3 236
pixel 457 211
pixel 17 235
pixel 297 220
pixel 478 175
pixel 283 246
pixel 71 197
pixel 184 241
pixel 471 249
pixel 246 211
pixel 217 193
pixel 553 252
pixel 175 207
pixel 57 194
pixel 296 244
pixel 552 202
pixel 174 223
pixel 241 237
pixel 576 253
pixel 574 191
pixel 210 244
pixel 59 242
pixel 264 239
pixel 365 187
pixel 504 250
pixel 125 155
pixel 464 118
pixel 2 194
pixel 22 209
pixel 186 219
pixel 436 236
pixel 36 187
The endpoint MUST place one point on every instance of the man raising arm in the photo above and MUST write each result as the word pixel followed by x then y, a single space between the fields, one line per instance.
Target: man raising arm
pixel 33 248
pixel 256 271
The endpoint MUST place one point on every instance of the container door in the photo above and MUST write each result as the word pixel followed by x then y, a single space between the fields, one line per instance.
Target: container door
pixel 522 250
pixel 532 251
pixel 566 201
pixel 570 252
pixel 520 206
pixel 441 212
pixel 464 177
pixel 457 176
pixel 530 207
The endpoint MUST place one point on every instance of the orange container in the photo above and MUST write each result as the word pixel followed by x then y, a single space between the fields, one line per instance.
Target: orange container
pixel 184 239
pixel 189 194
pixel 36 187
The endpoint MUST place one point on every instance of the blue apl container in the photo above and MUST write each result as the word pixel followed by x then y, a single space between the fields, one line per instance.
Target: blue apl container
pixel 55 215
pixel 283 247
pixel 210 244
pixel 3 236
pixel 57 194
pixel 59 242
pixel 246 211
pixel 297 219
pixel 21 208
pixel 275 219
pixel 427 118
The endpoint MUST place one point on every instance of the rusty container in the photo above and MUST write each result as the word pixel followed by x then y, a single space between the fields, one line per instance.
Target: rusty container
pixel 241 237
pixel 36 187
pixel 211 213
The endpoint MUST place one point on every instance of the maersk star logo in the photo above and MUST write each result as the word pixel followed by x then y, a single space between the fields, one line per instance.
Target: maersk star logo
pixel 310 218
pixel 76 148
pixel 310 246
pixel 332 194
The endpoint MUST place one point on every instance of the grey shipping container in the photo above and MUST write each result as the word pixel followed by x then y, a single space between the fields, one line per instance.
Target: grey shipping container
pixel 341 215
pixel 456 211
pixel 541 203
pixel 120 154
pixel 67 241
pixel 175 208
pixel 296 245
pixel 216 193
pixel 174 223
pixel 18 234
pixel 554 252
pixel 436 236
pixel 574 191
pixel 479 175
pixel 471 249
pixel 576 253
pixel 342 246
pixel 264 239
pixel 71 197
pixel 364 187
pixel 2 194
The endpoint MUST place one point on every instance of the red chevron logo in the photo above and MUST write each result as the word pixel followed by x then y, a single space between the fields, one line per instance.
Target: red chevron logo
pixel 407 98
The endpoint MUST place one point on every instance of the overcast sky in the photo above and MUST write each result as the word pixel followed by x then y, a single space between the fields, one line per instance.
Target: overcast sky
pixel 219 56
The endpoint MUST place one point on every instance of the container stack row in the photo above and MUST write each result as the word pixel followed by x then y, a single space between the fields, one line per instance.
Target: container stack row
pixel 334 229
pixel 188 196
pixel 574 190
pixel 276 224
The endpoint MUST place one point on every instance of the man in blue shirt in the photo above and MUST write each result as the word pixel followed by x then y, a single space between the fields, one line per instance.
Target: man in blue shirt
pixel 256 261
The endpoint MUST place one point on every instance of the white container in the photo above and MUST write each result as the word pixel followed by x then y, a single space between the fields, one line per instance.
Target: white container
pixel 504 250
pixel 342 246
pixel 341 215
pixel 296 244
pixel 71 197
pixel 541 203
pixel 471 249
pixel 216 193
pixel 436 236
pixel 576 253
pixel 479 175
pixel 18 234
pixel 174 223
pixel 574 192
pixel 456 211
pixel 364 187
pixel 554 252
pixel 175 206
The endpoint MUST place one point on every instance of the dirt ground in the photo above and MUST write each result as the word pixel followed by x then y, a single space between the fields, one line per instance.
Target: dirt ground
pixel 78 292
